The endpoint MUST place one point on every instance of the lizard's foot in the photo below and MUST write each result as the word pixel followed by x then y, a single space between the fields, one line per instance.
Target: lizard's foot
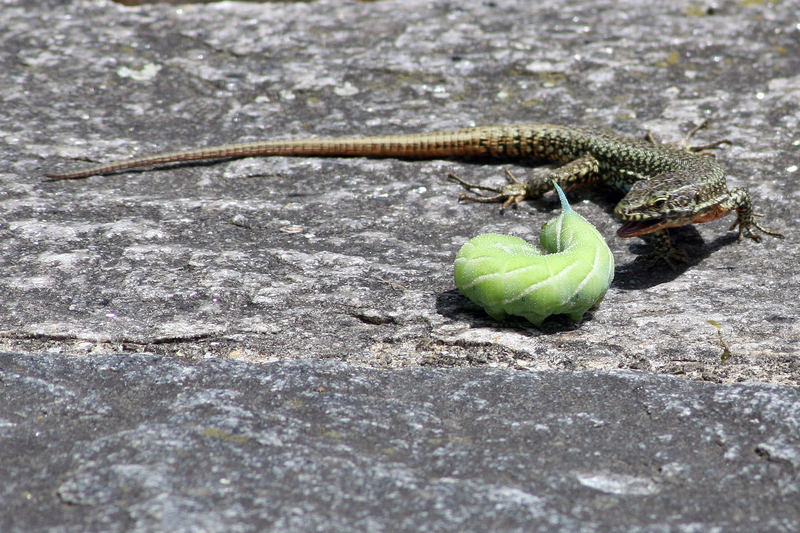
pixel 672 257
pixel 701 149
pixel 663 250
pixel 510 195
pixel 746 225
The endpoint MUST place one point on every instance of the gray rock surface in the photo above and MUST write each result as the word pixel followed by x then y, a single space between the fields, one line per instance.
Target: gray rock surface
pixel 146 443
pixel 275 258
pixel 172 328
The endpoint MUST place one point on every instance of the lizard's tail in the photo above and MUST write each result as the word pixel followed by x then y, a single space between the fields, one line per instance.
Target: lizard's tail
pixel 455 143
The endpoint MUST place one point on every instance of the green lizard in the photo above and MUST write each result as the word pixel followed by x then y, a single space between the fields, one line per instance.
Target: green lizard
pixel 665 186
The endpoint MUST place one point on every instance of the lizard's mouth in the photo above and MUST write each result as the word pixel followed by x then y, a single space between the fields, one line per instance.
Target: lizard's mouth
pixel 636 228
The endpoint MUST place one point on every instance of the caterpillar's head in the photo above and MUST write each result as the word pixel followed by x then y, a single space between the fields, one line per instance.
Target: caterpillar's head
pixel 566 229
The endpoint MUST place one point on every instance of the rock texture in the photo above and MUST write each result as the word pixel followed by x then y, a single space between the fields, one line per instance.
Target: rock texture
pixel 170 333
pixel 276 258
pixel 145 443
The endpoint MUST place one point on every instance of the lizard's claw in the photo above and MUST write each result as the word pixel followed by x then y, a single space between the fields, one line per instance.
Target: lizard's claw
pixel 511 194
pixel 745 231
pixel 672 257
pixel 701 149
pixel 663 250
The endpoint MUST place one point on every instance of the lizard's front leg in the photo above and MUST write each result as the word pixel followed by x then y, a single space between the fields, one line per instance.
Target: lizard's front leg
pixel 739 200
pixel 577 173
pixel 664 250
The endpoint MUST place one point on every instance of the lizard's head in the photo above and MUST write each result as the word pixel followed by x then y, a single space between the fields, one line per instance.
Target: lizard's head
pixel 665 201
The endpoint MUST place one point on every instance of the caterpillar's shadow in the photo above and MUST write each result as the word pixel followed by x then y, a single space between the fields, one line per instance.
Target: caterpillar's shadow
pixel 452 304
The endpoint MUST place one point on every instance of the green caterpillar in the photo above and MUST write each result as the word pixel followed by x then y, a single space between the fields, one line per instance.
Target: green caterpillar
pixel 509 276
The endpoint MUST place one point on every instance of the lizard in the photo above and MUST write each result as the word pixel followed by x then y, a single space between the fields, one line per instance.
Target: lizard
pixel 664 186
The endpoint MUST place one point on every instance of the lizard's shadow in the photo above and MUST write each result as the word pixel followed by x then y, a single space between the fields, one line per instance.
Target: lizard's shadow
pixel 639 274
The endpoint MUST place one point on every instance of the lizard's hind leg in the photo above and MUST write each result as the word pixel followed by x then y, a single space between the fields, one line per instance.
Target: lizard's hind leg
pixel 701 149
pixel 579 172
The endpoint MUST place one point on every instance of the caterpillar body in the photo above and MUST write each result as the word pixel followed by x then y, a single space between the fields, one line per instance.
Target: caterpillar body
pixel 508 276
